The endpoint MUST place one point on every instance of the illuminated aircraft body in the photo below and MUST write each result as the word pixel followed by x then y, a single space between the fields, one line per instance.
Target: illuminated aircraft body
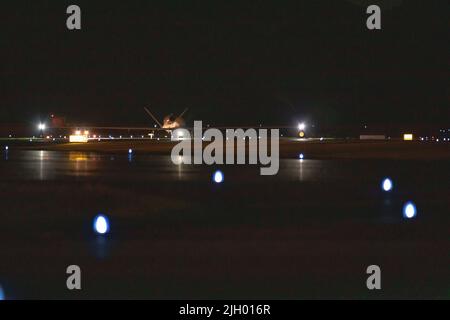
pixel 169 122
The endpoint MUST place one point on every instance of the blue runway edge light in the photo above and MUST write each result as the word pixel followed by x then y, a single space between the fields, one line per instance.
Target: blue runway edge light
pixel 387 184
pixel 101 224
pixel 409 210
pixel 218 176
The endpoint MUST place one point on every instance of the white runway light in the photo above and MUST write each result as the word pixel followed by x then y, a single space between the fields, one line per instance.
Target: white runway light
pixel 387 184
pixel 130 151
pixel 409 210
pixel 301 156
pixel 218 176
pixel 6 148
pixel 101 224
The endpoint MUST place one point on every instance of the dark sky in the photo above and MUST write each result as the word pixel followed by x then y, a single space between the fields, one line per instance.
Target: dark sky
pixel 231 64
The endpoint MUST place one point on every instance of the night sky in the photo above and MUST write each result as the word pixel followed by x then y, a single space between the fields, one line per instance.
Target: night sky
pixel 238 63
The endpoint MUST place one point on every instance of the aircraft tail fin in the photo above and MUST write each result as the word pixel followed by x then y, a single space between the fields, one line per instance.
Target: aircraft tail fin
pixel 153 117
pixel 185 110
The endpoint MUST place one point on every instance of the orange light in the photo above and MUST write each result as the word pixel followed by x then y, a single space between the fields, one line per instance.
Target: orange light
pixel 408 137
pixel 78 138
pixel 77 156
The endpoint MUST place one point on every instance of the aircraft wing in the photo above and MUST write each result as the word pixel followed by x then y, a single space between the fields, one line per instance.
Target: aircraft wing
pixel 166 129
pixel 245 127
pixel 112 128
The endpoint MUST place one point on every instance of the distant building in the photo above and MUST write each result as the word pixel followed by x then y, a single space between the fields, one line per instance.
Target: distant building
pixel 372 137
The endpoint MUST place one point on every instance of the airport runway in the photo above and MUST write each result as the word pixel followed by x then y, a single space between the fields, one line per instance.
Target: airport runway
pixel 288 148
pixel 308 232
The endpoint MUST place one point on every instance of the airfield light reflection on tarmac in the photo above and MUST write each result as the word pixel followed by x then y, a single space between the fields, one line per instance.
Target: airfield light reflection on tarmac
pixel 101 224
pixel 130 155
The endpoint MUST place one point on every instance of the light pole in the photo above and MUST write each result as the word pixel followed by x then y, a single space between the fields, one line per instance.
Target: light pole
pixel 301 129
pixel 41 128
